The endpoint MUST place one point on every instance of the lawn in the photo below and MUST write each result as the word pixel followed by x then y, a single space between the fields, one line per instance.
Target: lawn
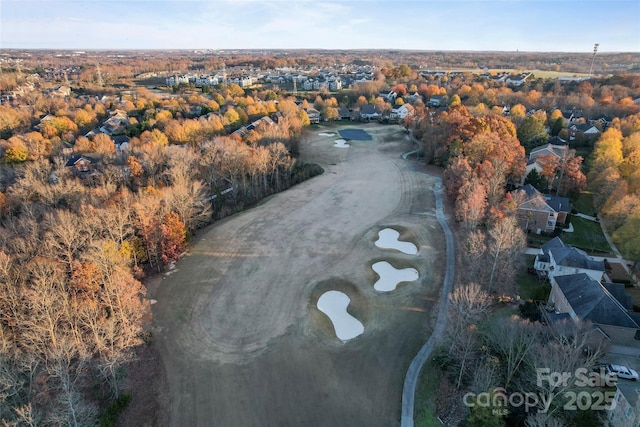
pixel 584 203
pixel 426 392
pixel 587 235
pixel 537 240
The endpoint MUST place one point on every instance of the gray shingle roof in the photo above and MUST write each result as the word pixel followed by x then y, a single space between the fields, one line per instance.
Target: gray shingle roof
pixel 592 302
pixel 568 256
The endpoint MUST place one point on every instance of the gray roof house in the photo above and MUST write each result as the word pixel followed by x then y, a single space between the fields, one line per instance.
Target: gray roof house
pixel 369 112
pixel 558 259
pixel 582 299
pixel 588 300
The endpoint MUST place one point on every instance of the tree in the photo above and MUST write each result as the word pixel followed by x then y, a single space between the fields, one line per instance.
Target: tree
pixel 468 304
pixel 458 172
pixel 16 155
pixel 103 144
pixel 532 132
pixel 173 237
pixel 471 204
pixel 506 242
pixel 513 340
pixel 538 181
pixel 557 126
pixel 518 113
pixel 455 101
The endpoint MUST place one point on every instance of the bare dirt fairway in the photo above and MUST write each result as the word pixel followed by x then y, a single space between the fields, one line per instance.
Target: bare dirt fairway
pixel 237 327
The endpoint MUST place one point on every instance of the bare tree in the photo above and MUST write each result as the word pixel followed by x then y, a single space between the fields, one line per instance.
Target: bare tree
pixel 468 304
pixel 506 242
pixel 513 340
pixel 565 349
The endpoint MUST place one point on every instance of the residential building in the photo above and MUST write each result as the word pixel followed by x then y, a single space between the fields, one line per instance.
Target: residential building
pixel 314 115
pixel 517 80
pixel 559 259
pixel 438 101
pixel 542 213
pixel 369 112
pixel 582 299
pixel 626 410
pixel 399 112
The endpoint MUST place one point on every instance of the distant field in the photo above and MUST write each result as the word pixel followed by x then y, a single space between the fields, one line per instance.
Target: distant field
pixel 537 73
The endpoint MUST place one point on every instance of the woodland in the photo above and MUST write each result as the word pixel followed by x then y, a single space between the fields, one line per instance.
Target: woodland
pixel 76 245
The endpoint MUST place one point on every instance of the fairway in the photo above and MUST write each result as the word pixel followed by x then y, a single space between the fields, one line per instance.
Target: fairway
pixel 241 336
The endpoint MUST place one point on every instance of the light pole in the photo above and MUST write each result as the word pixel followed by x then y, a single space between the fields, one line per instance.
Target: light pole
pixel 593 59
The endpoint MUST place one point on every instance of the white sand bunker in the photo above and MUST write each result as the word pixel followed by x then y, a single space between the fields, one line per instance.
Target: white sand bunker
pixel 390 276
pixel 388 239
pixel 342 143
pixel 334 304
pixel 325 134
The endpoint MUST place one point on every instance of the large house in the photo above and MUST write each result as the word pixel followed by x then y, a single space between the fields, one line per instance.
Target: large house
pixel 517 80
pixel 369 112
pixel 437 101
pixel 399 112
pixel 556 147
pixel 541 213
pixel 559 259
pixel 580 298
pixel 588 130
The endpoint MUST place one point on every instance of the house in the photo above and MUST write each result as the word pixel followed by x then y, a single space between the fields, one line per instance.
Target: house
pixel 389 96
pixel 601 119
pixel 626 412
pixel 344 114
pixel 571 115
pixel 587 300
pixel 517 80
pixel 314 115
pixel 541 213
pixel 437 101
pixel 121 142
pixel 399 112
pixel 586 129
pixel 558 259
pixel 369 112
pixel 80 163
pixel 61 91
pixel 412 97
pixel 552 148
pixel 535 215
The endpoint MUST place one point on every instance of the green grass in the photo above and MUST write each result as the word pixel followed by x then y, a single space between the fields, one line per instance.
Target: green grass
pixel 537 240
pixel 584 203
pixel 587 235
pixel 426 392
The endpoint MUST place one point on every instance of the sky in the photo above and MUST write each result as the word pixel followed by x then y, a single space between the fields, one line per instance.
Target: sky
pixel 481 25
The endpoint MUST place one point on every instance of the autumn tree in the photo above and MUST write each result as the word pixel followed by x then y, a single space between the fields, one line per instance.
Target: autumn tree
pixel 173 237
pixel 471 203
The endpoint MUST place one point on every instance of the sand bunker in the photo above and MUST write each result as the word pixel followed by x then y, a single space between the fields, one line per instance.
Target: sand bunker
pixel 390 276
pixel 334 304
pixel 325 134
pixel 388 239
pixel 341 143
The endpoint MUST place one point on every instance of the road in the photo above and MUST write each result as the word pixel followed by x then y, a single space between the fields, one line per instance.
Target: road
pixel 240 337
